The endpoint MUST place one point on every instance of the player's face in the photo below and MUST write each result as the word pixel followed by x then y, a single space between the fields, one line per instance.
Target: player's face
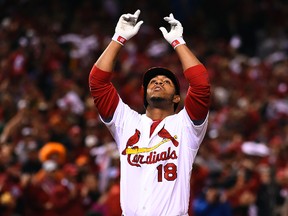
pixel 162 88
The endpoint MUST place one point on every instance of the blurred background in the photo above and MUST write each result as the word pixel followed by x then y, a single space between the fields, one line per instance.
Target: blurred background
pixel 57 158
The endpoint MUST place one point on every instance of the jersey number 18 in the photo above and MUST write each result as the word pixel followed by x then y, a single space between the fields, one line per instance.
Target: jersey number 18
pixel 169 171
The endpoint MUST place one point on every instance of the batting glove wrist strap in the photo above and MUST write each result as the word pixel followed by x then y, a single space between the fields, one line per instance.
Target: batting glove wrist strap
pixel 177 42
pixel 119 39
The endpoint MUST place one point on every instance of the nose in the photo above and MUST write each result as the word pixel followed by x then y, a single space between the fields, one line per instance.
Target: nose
pixel 159 82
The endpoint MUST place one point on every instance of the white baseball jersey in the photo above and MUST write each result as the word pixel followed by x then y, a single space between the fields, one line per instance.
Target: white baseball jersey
pixel 155 171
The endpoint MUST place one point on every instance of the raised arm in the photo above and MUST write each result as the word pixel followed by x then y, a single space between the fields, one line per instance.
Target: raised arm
pixel 175 38
pixel 187 58
pixel 104 94
pixel 107 59
pixel 126 28
pixel 198 96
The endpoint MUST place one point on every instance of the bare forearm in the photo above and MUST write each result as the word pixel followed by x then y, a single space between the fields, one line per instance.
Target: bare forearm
pixel 187 58
pixel 108 58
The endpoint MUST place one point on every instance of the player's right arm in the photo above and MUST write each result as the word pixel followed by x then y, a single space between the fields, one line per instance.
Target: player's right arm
pixel 107 59
pixel 104 94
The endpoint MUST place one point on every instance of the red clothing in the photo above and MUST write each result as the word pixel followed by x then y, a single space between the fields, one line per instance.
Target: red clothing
pixel 51 197
pixel 104 93
pixel 196 102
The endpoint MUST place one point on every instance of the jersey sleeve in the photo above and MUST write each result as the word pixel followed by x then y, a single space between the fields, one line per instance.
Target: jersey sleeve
pixel 197 100
pixel 103 92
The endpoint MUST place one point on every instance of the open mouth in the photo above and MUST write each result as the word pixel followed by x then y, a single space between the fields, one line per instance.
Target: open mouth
pixel 158 88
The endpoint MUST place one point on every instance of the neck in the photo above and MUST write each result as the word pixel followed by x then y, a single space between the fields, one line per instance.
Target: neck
pixel 158 113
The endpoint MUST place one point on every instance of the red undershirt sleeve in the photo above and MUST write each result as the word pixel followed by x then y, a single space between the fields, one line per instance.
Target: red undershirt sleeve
pixel 103 92
pixel 197 101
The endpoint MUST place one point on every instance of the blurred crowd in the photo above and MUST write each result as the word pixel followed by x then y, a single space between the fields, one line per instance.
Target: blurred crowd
pixel 57 158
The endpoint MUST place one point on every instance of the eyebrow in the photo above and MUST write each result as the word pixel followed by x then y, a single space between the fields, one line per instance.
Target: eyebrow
pixel 164 77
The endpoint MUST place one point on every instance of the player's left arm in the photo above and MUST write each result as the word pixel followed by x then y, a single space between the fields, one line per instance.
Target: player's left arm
pixel 197 100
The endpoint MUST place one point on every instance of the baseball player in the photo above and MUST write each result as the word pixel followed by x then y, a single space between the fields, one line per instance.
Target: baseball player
pixel 158 148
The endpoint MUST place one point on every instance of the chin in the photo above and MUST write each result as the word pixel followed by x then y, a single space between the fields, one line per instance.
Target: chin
pixel 157 99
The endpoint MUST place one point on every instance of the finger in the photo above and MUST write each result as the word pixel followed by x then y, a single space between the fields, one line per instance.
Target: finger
pixel 173 22
pixel 167 19
pixel 171 16
pixel 137 13
pixel 132 17
pixel 138 25
pixel 163 30
pixel 126 17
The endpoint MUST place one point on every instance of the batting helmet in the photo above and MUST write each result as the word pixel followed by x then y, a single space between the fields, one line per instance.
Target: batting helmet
pixel 155 71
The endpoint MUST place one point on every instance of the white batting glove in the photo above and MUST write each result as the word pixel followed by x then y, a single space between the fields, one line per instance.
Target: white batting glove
pixel 175 36
pixel 127 27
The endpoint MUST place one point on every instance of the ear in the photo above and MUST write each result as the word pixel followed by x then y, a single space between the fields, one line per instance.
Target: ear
pixel 176 99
